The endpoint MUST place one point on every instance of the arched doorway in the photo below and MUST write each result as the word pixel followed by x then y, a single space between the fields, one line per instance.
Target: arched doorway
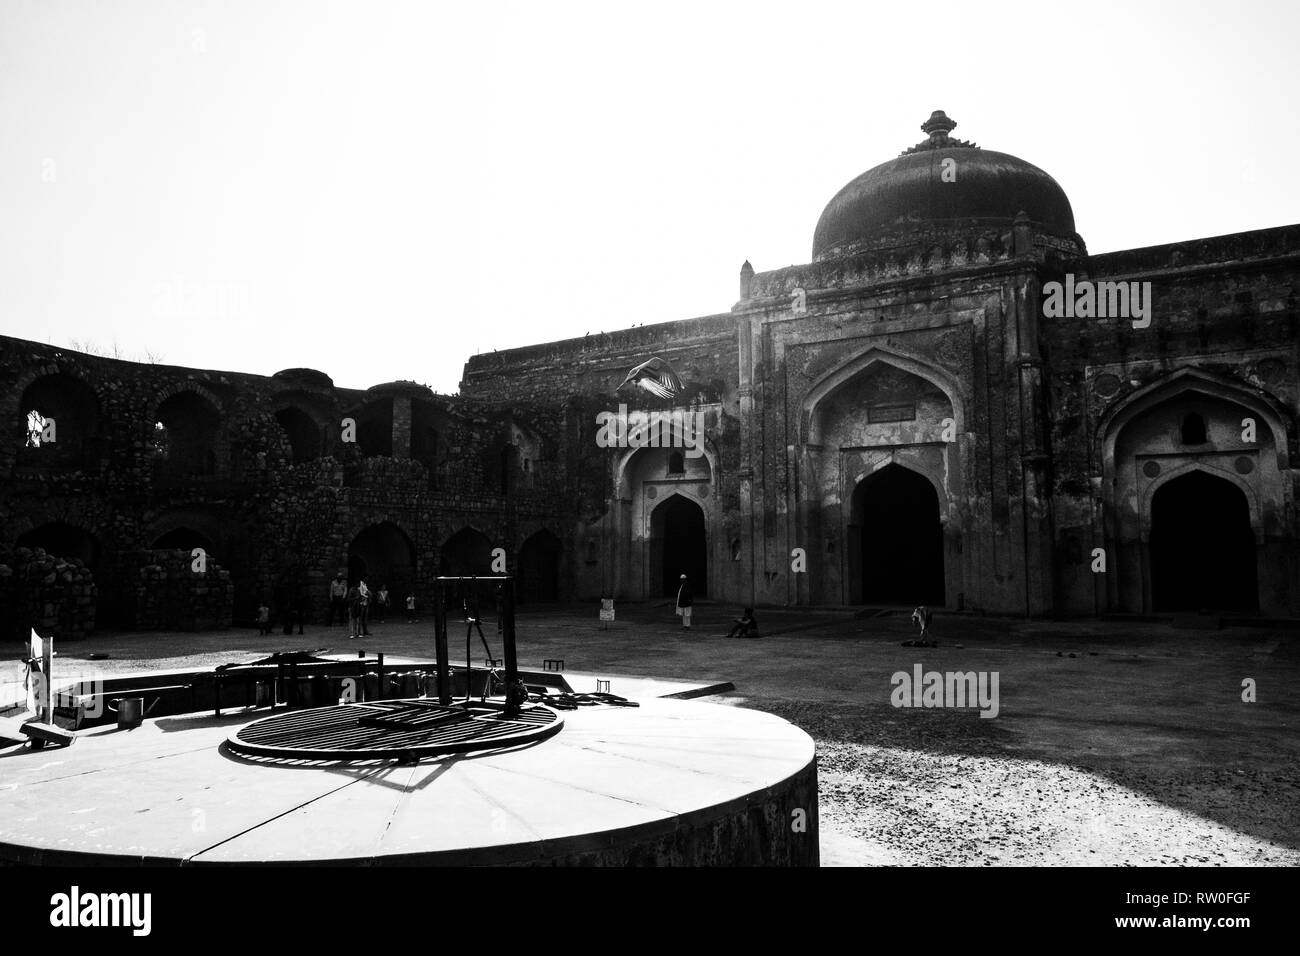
pixel 185 436
pixel 1202 546
pixel 63 541
pixel 539 568
pixel 383 554
pixel 896 539
pixel 71 543
pixel 679 545
pixel 466 552
pixel 303 433
pixel 183 539
pixel 73 408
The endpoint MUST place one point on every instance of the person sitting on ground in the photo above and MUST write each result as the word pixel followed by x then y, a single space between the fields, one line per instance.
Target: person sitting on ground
pixel 746 625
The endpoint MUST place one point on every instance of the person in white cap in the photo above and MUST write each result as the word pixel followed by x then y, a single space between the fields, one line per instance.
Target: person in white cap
pixel 684 603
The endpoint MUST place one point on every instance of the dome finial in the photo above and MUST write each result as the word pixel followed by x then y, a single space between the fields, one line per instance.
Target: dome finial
pixel 938 126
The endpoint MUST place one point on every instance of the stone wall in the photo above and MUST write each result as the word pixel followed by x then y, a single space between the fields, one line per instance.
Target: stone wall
pixel 172 594
pixel 42 591
pixel 259 472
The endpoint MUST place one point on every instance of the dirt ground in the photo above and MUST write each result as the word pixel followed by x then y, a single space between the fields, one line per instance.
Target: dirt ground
pixel 1116 743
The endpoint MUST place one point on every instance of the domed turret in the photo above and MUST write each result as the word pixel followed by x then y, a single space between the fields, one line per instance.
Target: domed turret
pixel 941 183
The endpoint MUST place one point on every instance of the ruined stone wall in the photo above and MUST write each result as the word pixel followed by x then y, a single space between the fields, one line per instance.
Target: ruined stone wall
pixel 42 591
pixel 171 594
pixel 257 470
pixel 577 379
pixel 277 501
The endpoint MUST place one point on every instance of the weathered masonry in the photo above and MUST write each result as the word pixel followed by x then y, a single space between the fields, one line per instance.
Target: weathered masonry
pixel 149 463
pixel 900 409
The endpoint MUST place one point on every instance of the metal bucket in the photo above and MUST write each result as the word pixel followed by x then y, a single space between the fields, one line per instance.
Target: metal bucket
pixel 129 710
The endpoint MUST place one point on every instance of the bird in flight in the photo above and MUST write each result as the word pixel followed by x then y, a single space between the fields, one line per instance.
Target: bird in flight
pixel 654 376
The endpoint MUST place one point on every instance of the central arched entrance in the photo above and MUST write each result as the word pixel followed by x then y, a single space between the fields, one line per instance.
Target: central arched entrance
pixel 897 539
pixel 678 535
pixel 1202 546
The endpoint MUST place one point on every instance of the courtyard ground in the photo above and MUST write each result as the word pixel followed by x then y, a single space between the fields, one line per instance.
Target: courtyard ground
pixel 1115 742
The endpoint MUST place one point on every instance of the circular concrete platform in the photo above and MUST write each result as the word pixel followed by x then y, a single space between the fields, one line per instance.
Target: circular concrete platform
pixel 668 783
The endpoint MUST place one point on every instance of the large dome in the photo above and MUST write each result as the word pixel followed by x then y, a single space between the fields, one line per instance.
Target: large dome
pixel 910 194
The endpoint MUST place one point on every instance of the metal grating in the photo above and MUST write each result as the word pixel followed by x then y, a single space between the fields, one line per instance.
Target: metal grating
pixel 393 728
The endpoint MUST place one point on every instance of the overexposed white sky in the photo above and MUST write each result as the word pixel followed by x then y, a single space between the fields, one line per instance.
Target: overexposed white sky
pixel 379 189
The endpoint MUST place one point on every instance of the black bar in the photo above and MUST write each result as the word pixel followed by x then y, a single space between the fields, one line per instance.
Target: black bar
pixel 508 631
pixel 382 693
pixel 440 642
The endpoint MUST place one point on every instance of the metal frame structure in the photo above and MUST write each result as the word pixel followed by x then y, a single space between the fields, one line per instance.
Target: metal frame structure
pixel 506 593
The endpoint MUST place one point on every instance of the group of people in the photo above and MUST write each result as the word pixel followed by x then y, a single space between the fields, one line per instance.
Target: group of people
pixel 352 605
pixel 289 608
pixel 358 602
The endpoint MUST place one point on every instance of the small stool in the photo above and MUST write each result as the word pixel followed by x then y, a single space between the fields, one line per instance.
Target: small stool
pixel 602 686
pixel 553 663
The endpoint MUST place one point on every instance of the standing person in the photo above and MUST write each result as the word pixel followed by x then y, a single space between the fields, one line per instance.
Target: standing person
pixel 365 607
pixel 263 618
pixel 921 617
pixel 410 608
pixel 684 602
pixel 338 598
pixel 381 602
pixel 354 613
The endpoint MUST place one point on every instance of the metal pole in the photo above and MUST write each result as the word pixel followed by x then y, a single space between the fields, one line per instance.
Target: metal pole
pixel 440 642
pixel 508 632
pixel 469 670
pixel 48 667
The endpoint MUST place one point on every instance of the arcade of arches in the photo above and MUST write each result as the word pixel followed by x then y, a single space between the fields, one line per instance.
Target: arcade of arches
pixel 922 429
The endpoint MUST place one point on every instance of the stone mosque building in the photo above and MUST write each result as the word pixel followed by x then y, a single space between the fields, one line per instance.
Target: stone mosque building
pixel 907 418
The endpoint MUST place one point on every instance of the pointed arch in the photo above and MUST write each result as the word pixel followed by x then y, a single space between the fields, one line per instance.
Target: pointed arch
pixel 1112 422
pixel 831 382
